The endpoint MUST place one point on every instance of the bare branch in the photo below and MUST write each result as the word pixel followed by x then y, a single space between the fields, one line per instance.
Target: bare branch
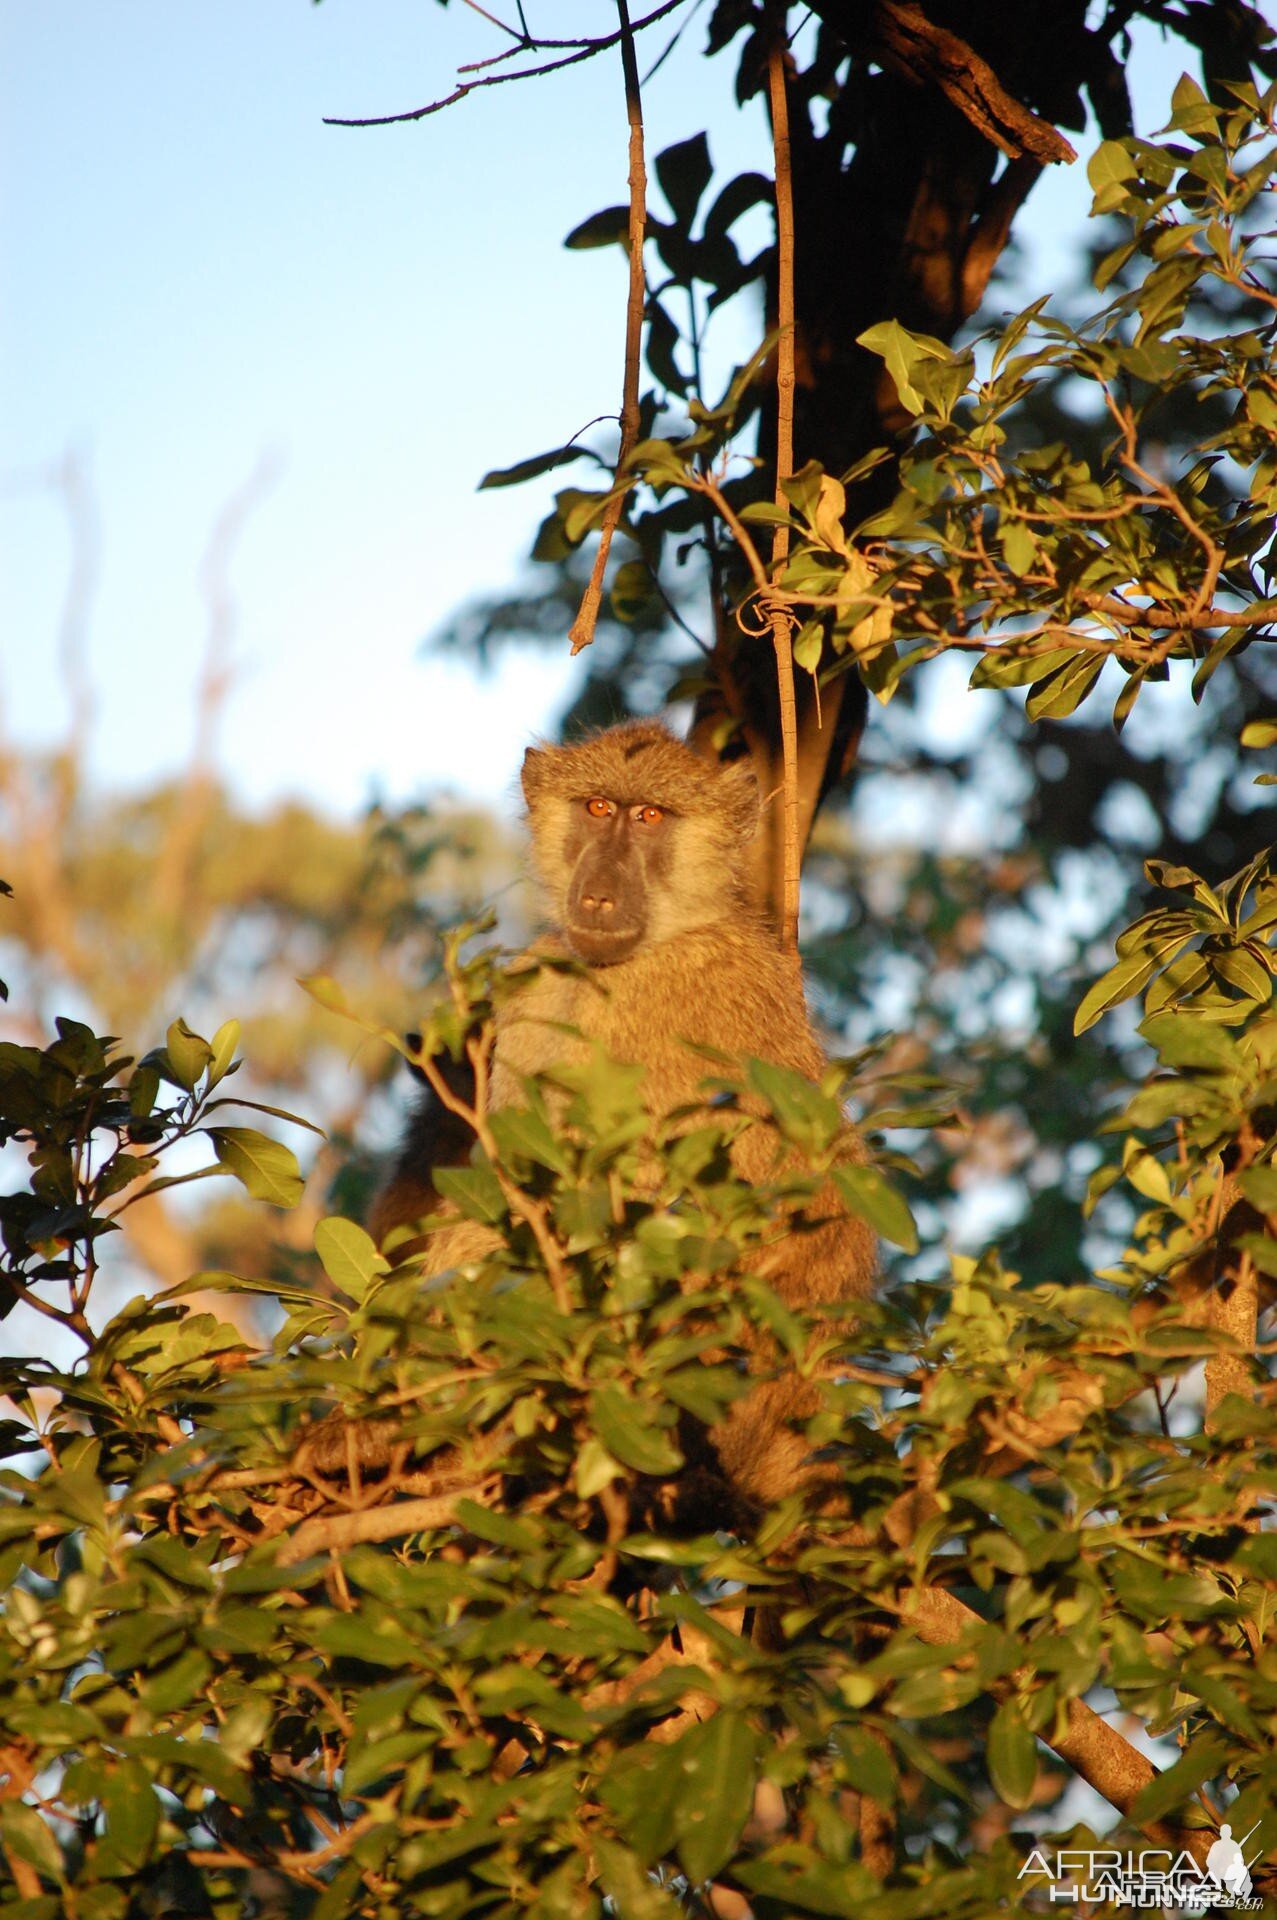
pixel 780 619
pixel 176 854
pixel 582 630
pixel 899 33
pixel 586 50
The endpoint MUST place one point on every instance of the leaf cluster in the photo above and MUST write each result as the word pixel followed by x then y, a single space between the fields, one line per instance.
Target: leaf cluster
pixel 495 1662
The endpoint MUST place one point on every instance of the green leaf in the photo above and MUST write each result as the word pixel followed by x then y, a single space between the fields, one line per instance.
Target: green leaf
pixel 265 1168
pixel 606 228
pixel 869 1766
pixel 522 1133
pixel 594 1468
pixel 187 1054
pixel 222 1051
pixel 633 591
pixel 1019 546
pixel 632 1892
pixel 804 1114
pixel 1109 169
pixel 1012 1756
pixel 1191 112
pixel 1118 984
pixel 27 1837
pixel 1064 689
pixel 738 196
pixel 532 468
pixel 662 345
pixel 870 1195
pixel 903 353
pixel 1201 1760
pixel 1001 667
pixel 349 1257
pixel 684 171
pixel 719 1763
pixel 217 1280
pixel 809 646
pixel 176 1684
pixel 132 1818
pixel 628 1430
pixel 643 1789
pixel 1184 1040
pixel 1259 1184
pixel 144 1085
pixel 475 1191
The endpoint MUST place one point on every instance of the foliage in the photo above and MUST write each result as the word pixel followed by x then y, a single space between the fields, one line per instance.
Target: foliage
pixel 1057 565
pixel 497 1674
pixel 1080 509
pixel 177 896
pixel 433 1603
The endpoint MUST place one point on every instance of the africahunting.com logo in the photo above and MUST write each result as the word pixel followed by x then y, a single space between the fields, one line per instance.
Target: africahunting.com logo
pixel 1154 1878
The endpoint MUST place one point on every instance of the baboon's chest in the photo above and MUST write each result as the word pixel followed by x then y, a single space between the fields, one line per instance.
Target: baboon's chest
pixel 561 1018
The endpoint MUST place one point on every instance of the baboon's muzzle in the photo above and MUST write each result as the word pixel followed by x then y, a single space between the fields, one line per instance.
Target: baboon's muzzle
pixel 607 907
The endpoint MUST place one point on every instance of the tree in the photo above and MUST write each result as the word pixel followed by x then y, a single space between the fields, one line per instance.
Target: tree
pixel 424 1608
pixel 916 137
pixel 979 943
pixel 177 897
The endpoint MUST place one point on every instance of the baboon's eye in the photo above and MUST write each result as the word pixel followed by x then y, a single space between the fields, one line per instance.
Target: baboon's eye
pixel 600 809
pixel 647 816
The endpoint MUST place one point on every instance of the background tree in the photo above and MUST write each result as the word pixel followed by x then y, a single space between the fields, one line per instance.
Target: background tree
pixel 176 896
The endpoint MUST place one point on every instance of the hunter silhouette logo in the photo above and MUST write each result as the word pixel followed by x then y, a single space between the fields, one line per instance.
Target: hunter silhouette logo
pixel 1154 1877
pixel 1226 1864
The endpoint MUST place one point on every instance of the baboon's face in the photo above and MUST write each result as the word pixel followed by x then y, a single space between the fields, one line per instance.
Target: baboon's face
pixel 636 839
pixel 619 857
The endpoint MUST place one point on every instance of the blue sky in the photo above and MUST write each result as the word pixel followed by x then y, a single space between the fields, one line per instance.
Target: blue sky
pixel 199 274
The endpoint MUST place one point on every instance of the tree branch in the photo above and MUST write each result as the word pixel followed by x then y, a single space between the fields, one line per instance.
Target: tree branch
pixel 899 33
pixel 780 619
pixel 582 630
pixel 336 1531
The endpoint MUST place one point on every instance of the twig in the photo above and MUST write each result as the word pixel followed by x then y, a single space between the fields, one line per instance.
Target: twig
pixel 586 50
pixel 172 876
pixel 582 630
pixel 492 20
pixel 523 1205
pixel 779 617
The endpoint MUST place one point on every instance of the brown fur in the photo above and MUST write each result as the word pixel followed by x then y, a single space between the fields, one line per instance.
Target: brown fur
pixel 705 971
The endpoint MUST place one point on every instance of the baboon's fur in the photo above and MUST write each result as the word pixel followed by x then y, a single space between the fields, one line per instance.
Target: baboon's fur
pixel 705 970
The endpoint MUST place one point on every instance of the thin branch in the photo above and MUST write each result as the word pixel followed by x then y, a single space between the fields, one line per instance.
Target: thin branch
pixel 173 872
pixel 586 51
pixel 491 18
pixel 582 630
pixel 673 41
pixel 74 482
pixel 521 1204
pixel 780 619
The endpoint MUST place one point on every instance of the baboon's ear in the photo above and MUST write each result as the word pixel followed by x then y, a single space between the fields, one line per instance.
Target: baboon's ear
pixel 534 772
pixel 740 797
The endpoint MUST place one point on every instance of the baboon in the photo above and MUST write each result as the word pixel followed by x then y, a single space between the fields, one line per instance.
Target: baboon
pixel 640 846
